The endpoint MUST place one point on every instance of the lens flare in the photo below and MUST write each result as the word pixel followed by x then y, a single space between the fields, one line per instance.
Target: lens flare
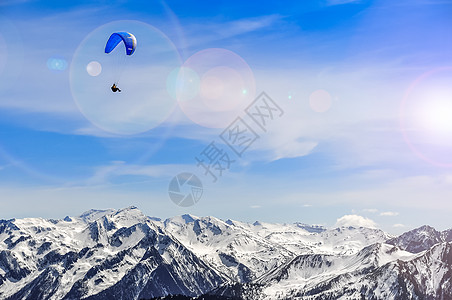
pixel 426 117
pixel 183 84
pixel 143 102
pixel 214 86
pixel 94 68
pixel 56 64
pixel 320 101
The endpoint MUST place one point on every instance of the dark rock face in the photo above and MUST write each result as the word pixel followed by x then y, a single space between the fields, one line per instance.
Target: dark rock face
pixel 418 240
pixel 42 287
pixel 447 235
pixel 244 272
pixel 7 226
pixel 15 271
pixel 44 247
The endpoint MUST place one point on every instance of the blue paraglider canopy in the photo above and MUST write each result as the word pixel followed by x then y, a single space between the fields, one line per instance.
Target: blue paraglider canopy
pixel 129 41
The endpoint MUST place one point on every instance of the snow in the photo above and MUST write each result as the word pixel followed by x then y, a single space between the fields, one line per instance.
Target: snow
pixel 285 258
pixel 95 214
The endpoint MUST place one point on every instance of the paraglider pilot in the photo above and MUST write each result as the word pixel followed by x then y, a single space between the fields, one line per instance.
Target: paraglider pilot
pixel 114 88
pixel 130 43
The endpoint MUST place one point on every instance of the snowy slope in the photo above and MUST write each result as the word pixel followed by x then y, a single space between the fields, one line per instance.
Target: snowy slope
pixel 307 272
pixel 245 251
pixel 123 254
pixel 235 251
pixel 97 255
pixel 379 271
pixel 302 239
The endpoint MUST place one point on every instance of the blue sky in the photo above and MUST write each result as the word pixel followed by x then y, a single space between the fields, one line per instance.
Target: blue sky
pixel 364 86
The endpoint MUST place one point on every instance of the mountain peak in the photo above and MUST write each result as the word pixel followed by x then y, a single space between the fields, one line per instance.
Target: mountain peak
pixel 425 228
pixel 127 216
pixel 95 214
pixel 188 218
pixel 123 217
pixel 181 220
pixel 128 210
pixel 418 239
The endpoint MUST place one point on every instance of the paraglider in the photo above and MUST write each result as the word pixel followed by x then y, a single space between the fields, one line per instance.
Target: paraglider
pixel 130 43
pixel 114 88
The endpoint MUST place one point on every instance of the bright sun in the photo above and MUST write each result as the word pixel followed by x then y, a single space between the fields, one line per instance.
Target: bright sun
pixel 435 111
pixel 426 117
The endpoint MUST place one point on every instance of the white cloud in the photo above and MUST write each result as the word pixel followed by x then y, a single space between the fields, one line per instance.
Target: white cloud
pixel 344 128
pixel 307 205
pixel 398 225
pixel 255 206
pixel 355 221
pixel 389 214
pixel 371 210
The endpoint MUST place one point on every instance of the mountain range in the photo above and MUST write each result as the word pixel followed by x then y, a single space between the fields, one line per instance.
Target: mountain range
pixel 123 254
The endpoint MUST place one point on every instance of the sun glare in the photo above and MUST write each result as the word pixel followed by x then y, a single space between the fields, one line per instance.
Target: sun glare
pixel 426 117
pixel 435 112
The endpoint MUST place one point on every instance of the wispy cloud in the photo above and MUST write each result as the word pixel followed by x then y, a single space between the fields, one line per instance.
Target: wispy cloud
pixel 107 173
pixel 294 149
pixel 210 31
pixel 389 214
pixel 371 210
pixel 243 26
pixel 339 2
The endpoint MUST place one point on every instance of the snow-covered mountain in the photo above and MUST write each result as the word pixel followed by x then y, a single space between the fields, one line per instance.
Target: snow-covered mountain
pixel 123 254
pixel 373 273
pixel 421 239
pixel 246 251
pixel 99 255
